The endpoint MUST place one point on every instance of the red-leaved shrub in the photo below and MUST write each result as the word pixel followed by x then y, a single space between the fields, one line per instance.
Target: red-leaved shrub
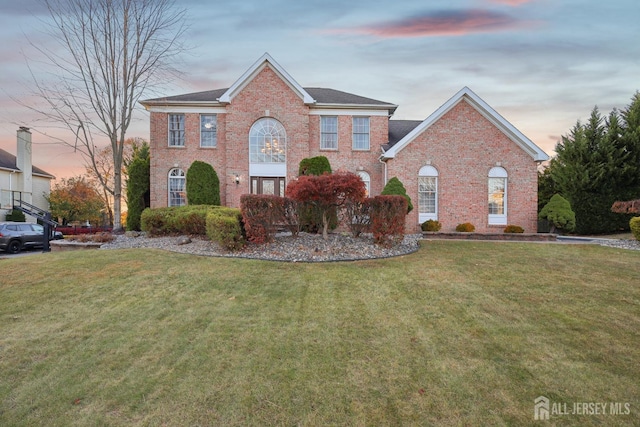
pixel 387 219
pixel 327 192
pixel 261 214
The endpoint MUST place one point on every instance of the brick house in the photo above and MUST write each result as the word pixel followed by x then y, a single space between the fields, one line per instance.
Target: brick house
pixel 463 163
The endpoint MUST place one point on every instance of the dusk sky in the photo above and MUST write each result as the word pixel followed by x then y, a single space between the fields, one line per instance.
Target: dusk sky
pixel 541 64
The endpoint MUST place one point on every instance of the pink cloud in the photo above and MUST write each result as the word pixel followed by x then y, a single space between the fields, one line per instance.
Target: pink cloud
pixel 444 23
pixel 513 3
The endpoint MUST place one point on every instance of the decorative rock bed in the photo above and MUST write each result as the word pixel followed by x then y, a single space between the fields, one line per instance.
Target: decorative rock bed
pixel 304 248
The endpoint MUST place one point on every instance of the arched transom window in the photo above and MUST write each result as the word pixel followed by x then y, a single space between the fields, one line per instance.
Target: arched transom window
pixel 497 196
pixel 267 142
pixel 366 178
pixel 177 188
pixel 427 193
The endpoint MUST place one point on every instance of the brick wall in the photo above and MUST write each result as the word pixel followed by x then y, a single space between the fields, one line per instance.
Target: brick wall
pixel 463 146
pixel 266 95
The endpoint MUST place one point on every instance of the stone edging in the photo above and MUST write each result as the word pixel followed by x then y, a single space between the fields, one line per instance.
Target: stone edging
pixel 518 237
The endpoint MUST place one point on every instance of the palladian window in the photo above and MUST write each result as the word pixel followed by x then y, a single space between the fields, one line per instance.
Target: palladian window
pixel 267 142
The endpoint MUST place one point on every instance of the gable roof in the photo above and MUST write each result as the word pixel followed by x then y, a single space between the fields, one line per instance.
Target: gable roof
pixel 8 162
pixel 466 94
pixel 313 96
pixel 255 69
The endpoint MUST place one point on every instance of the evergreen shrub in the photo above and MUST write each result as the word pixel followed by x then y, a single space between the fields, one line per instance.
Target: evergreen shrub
pixel 175 220
pixel 513 229
pixel 224 226
pixel 465 227
pixel 16 215
pixel 314 166
pixel 559 214
pixel 395 187
pixel 203 185
pixel 431 225
pixel 634 224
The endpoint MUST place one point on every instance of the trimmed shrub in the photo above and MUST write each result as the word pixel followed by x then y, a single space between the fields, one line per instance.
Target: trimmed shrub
pixel 559 214
pixel 261 213
pixel 203 185
pixel 327 193
pixel 16 215
pixel 513 229
pixel 175 220
pixel 634 224
pixel 224 226
pixel 314 166
pixel 388 215
pixel 465 227
pixel 357 216
pixel 431 225
pixel 395 187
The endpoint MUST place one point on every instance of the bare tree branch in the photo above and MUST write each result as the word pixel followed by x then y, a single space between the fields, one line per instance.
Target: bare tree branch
pixel 109 52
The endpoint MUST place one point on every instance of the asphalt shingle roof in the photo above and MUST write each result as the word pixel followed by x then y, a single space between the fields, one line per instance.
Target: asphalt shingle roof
pixel 8 161
pixel 321 95
pixel 398 129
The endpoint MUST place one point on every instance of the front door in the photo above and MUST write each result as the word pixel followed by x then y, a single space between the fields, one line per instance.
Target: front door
pixel 267 185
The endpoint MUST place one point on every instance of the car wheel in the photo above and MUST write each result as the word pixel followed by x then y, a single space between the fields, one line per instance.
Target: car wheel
pixel 14 247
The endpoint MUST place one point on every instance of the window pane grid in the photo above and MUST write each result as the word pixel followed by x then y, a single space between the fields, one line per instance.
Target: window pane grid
pixel 176 129
pixel 329 133
pixel 497 188
pixel 361 133
pixel 267 142
pixel 177 193
pixel 427 187
pixel 208 131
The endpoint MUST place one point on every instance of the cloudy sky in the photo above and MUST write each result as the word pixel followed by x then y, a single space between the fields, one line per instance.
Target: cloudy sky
pixel 542 64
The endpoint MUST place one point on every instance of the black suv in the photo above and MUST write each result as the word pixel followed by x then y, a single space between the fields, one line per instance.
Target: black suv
pixel 15 236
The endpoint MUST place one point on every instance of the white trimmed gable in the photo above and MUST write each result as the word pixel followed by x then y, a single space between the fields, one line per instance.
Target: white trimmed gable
pixel 467 95
pixel 254 70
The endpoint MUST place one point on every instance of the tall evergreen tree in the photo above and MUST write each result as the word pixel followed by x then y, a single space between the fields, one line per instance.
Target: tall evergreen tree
pixel 596 165
pixel 138 185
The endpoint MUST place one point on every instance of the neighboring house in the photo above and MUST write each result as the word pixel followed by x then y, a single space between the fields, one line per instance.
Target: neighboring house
pixel 19 178
pixel 464 163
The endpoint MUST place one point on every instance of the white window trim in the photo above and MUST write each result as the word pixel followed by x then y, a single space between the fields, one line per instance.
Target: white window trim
pixel 169 130
pixel 183 175
pixel 337 133
pixel 366 178
pixel 501 219
pixel 353 133
pixel 428 171
pixel 216 142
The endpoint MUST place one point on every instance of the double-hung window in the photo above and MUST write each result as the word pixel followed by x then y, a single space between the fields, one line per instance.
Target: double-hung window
pixel 208 130
pixel 176 130
pixel 328 133
pixel 361 133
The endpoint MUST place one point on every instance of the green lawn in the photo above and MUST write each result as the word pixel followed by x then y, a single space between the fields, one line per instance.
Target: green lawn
pixel 459 333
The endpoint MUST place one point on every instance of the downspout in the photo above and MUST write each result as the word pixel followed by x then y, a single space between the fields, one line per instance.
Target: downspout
pixel 380 159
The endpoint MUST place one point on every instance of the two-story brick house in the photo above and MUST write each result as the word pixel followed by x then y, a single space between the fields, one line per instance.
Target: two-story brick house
pixel 464 163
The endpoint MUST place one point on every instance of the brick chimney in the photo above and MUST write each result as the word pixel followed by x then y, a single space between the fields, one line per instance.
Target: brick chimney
pixel 24 163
